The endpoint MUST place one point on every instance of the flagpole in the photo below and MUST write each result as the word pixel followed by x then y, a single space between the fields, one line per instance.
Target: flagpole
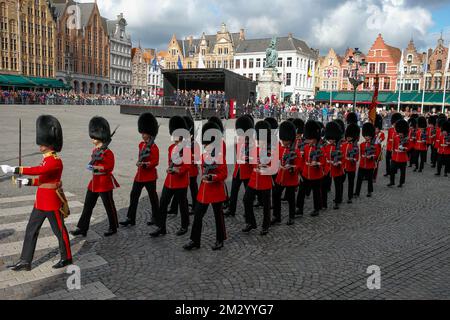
pixel 401 83
pixel 425 71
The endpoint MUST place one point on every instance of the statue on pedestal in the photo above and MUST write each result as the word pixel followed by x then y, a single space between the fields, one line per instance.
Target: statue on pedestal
pixel 272 55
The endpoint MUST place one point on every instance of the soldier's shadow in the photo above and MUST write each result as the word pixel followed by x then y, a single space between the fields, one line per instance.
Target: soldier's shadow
pixel 6 233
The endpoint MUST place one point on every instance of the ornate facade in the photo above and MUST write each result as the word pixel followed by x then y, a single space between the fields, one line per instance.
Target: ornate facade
pixel 140 60
pixel 437 60
pixel 413 62
pixel 330 76
pixel 27 31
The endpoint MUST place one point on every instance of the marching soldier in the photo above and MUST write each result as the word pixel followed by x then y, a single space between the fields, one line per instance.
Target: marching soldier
pixel 261 182
pixel 390 142
pixel 444 148
pixel 313 170
pixel 431 138
pixel 380 137
pixel 437 142
pixel 288 173
pixel 212 189
pixel 400 152
pixel 369 153
pixel 350 149
pixel 412 141
pixel 334 161
pixel 103 182
pixel 146 176
pixel 50 201
pixel 177 181
pixel 421 147
pixel 242 168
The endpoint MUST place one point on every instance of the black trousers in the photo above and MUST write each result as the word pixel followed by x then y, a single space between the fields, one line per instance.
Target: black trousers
pixel 434 156
pixel 443 161
pixel 235 187
pixel 249 199
pixel 398 166
pixel 306 186
pixel 326 188
pixel 276 201
pixel 181 197
pixel 421 159
pixel 193 187
pixel 351 184
pixel 35 222
pixel 200 211
pixel 339 189
pixel 388 162
pixel 365 174
pixel 136 194
pixel 89 205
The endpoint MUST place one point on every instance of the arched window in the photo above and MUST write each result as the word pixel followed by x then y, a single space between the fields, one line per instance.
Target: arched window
pixel 2 9
pixel 438 64
pixel 410 58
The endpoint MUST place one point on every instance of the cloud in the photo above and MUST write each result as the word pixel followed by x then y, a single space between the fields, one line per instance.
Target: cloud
pixel 321 23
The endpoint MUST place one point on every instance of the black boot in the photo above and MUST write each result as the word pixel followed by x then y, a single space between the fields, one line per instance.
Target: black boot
pixel 21 266
pixel 290 222
pixel 275 221
pixel 218 246
pixel 248 228
pixel 158 232
pixel 315 213
pixel 110 233
pixel 62 264
pixel 151 223
pixel 182 232
pixel 127 223
pixel 191 246
pixel 79 232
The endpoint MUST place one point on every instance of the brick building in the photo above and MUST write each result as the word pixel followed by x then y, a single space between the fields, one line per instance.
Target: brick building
pixel 413 62
pixel 329 72
pixel 436 64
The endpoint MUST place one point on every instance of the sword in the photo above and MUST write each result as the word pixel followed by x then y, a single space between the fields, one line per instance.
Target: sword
pixel 13 178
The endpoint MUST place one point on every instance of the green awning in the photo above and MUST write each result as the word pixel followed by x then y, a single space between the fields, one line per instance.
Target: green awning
pixel 8 80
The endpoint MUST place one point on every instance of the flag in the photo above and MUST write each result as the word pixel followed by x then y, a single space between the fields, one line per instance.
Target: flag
pixel 155 64
pixel 401 66
pixel 180 64
pixel 309 70
pixel 374 104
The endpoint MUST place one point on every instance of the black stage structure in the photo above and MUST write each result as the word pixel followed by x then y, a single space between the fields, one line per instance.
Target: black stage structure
pixel 237 88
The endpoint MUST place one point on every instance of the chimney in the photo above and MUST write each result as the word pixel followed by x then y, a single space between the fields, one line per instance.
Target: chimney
pixel 242 35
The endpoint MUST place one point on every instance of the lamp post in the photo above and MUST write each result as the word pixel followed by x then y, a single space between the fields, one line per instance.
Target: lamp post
pixel 356 72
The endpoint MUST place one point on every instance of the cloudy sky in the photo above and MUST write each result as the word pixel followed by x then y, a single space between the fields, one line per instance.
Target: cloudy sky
pixel 321 23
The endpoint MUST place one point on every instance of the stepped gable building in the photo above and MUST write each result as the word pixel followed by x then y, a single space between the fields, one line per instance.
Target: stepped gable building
pixel 413 62
pixel 330 75
pixel 82 46
pixel 436 64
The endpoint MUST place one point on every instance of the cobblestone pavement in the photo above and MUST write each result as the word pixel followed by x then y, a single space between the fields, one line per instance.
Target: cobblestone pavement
pixel 404 232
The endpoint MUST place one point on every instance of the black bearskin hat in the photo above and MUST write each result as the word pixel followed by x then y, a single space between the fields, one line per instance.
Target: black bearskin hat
pixel 396 117
pixel 368 130
pixel 273 123
pixel 176 123
pixel 49 133
pixel 260 127
pixel 190 124
pixel 209 126
pixel 412 122
pixel 287 131
pixel 401 126
pixel 341 125
pixel 441 122
pixel 251 119
pixel 446 126
pixel 333 131
pixel 422 122
pixel 291 119
pixel 379 122
pixel 352 118
pixel 312 130
pixel 244 123
pixel 414 116
pixel 148 124
pixel 99 129
pixel 322 129
pixel 353 131
pixel 299 125
pixel 219 123
pixel 432 120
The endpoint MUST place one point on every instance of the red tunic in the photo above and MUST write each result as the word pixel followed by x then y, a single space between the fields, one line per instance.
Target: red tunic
pixel 148 172
pixel 368 162
pixel 390 143
pixel 213 191
pixel 287 177
pixel 241 170
pixel 400 156
pixel 436 140
pixel 431 135
pixel 260 181
pixel 351 156
pixel 48 172
pixel 336 168
pixel 195 154
pixel 444 147
pixel 421 140
pixel 309 171
pixel 412 138
pixel 380 138
pixel 103 180
pixel 179 180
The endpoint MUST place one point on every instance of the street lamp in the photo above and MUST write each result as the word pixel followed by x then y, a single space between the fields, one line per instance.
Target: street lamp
pixel 356 72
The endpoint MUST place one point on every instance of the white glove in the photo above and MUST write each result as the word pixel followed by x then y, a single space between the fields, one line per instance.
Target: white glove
pixel 8 170
pixel 21 182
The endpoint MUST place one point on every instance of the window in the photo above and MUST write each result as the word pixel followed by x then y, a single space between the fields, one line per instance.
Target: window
pixel 289 62
pixel 251 63
pixel 410 58
pixel 428 83
pixel 238 64
pixel 415 85
pixel 382 68
pixel 371 67
pixel 325 85
pixel 257 77
pixel 407 86
pixel 258 63
pixel 334 85
pixel 280 62
pixel 345 73
pixel 250 76
pixel 225 64
pixel 413 69
pixel 225 50
pixel 439 65
pixel 448 84
pixel 220 51
pixel 288 79
pixel 387 84
pixel 438 83
pixel 335 73
pixel 405 70
pixel 244 63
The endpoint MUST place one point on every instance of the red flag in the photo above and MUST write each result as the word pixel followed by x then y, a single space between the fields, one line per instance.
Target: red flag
pixel 373 106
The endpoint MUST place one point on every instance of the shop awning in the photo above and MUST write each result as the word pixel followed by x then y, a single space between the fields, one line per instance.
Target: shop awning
pixel 8 80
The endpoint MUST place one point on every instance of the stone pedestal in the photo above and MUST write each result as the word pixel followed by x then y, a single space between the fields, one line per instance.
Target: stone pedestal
pixel 269 84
